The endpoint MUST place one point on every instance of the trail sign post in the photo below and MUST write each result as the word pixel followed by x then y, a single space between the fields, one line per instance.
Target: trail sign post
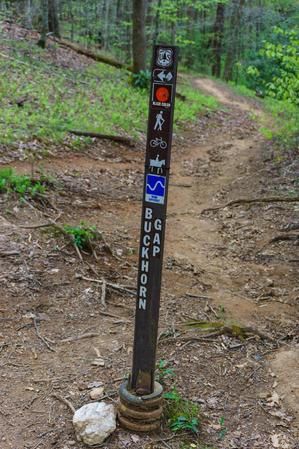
pixel 156 180
pixel 140 405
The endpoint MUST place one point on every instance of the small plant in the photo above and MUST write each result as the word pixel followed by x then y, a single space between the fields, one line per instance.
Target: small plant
pixel 164 371
pixel 223 430
pixel 20 184
pixel 221 311
pixel 180 413
pixel 141 79
pixel 82 235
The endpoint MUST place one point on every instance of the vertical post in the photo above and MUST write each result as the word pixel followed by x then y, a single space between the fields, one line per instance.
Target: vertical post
pixel 153 221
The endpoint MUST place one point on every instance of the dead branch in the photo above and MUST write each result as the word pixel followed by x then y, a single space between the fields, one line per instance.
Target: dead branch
pixel 95 56
pixel 253 200
pixel 40 337
pixel 120 139
pixel 221 328
pixel 64 401
pixel 284 237
pixel 103 295
pixel 111 315
pixel 80 337
pixel 191 295
pixel 9 253
pixel 131 291
pixel 59 228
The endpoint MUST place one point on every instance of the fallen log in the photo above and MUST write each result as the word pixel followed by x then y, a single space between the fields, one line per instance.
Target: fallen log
pixel 90 54
pixel 121 139
pixel 251 201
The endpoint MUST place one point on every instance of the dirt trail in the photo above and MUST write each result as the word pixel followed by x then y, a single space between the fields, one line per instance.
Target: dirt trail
pixel 225 96
pixel 218 266
pixel 192 236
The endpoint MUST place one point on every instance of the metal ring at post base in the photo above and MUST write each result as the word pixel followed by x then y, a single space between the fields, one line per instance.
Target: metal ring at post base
pixel 140 413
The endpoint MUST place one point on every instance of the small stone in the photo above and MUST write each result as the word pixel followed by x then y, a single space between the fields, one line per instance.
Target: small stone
pixel 135 438
pixel 96 393
pixel 94 422
pixel 94 384
pixel 98 362
pixel 269 282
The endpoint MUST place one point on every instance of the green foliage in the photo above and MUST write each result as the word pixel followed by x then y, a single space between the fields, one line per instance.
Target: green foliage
pixel 164 371
pixel 223 431
pixel 284 129
pixel 180 413
pixel 286 123
pixel 141 79
pixel 95 98
pixel 23 185
pixel 82 235
pixel 276 72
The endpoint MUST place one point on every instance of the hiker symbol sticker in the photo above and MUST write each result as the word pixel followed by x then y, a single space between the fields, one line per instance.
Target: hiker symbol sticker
pixel 155 189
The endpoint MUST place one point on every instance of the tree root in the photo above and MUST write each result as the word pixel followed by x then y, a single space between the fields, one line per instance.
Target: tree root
pixel 251 201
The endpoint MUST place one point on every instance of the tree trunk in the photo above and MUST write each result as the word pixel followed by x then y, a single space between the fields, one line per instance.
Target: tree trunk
pixel 29 14
pixel 138 37
pixel 53 18
pixel 157 23
pixel 235 23
pixel 191 14
pixel 217 39
pixel 106 25
pixel 45 24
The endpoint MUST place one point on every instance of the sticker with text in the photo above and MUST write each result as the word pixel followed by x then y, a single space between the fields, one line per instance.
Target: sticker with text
pixel 155 189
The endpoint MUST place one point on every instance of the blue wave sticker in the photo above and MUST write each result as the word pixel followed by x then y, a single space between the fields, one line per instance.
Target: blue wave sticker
pixel 155 189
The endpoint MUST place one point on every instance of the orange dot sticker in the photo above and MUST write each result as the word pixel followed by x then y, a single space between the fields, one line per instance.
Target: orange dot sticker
pixel 162 94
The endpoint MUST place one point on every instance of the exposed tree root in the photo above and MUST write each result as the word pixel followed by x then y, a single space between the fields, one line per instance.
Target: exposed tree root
pixel 253 200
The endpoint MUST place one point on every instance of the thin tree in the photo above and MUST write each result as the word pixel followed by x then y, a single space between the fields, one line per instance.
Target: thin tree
pixel 138 37
pixel 53 18
pixel 217 39
pixel 45 24
pixel 234 40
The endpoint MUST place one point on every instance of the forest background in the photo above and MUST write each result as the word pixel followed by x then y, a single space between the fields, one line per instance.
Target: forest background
pixel 251 43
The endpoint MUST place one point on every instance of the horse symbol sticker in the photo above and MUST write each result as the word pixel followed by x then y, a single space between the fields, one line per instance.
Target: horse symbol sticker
pixel 164 57
pixel 155 189
pixel 156 163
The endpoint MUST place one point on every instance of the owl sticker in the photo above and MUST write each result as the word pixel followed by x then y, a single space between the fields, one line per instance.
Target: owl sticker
pixel 165 57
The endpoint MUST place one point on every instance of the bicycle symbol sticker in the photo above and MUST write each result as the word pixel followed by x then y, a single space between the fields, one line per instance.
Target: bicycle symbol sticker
pixel 158 142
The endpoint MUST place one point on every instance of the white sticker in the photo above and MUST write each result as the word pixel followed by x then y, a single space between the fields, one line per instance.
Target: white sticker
pixel 165 57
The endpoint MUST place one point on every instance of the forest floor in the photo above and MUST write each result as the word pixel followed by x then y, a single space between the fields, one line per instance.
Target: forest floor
pixel 236 264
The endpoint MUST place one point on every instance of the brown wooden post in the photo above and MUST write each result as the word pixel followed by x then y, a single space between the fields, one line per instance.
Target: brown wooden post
pixel 153 221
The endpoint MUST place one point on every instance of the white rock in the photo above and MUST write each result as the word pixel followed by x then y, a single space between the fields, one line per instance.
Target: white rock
pixel 96 393
pixel 94 422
